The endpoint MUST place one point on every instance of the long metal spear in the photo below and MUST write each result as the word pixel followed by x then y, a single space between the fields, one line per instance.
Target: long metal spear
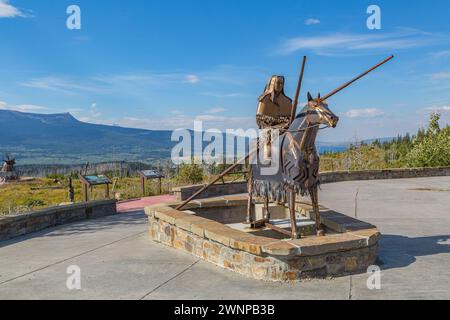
pixel 297 93
pixel 223 174
pixel 332 93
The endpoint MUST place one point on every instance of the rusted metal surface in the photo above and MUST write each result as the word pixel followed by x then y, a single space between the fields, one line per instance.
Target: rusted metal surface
pixel 297 93
pixel 277 229
pixel 223 174
pixel 299 168
pixel 298 171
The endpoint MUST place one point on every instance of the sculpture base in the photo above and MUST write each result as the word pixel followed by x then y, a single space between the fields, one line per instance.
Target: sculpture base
pixel 212 229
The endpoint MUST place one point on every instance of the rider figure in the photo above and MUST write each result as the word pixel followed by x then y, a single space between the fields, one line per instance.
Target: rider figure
pixel 274 112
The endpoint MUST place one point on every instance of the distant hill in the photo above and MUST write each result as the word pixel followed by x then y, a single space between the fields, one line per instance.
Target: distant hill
pixel 62 139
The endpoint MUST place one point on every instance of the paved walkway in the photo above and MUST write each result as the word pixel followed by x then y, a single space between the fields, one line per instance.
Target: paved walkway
pixel 139 204
pixel 118 261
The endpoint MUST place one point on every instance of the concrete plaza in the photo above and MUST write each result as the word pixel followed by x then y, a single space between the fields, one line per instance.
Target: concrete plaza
pixel 117 260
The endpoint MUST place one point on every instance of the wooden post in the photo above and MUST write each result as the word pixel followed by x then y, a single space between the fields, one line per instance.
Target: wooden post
pixel 107 191
pixel 71 191
pixel 114 185
pixel 85 189
pixel 160 186
pixel 143 186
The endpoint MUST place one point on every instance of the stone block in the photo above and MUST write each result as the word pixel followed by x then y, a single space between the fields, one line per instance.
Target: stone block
pixel 168 214
pixel 280 248
pixel 372 235
pixel 185 222
pixel 236 200
pixel 220 234
pixel 328 244
pixel 212 203
pixel 259 272
pixel 276 211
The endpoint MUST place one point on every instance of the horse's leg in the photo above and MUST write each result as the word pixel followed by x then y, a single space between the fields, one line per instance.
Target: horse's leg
pixel 250 198
pixel 315 203
pixel 294 229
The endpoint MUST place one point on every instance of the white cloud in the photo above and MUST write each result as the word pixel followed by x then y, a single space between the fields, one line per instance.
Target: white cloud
pixel 7 10
pixel 73 110
pixel 176 112
pixel 342 42
pixel 126 82
pixel 440 76
pixel 178 120
pixel 438 109
pixel 192 79
pixel 312 21
pixel 92 115
pixel 364 113
pixel 223 95
pixel 441 54
pixel 28 107
pixel 139 83
pixel 216 110
pixel 21 107
pixel 62 85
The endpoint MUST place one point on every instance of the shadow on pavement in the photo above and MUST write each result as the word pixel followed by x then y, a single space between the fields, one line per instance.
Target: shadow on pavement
pixel 400 251
pixel 84 227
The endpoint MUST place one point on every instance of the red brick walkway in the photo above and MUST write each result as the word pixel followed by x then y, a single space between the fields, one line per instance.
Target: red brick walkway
pixel 140 204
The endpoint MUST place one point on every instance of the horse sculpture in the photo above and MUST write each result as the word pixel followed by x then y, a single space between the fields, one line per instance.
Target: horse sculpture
pixel 298 165
pixel 298 161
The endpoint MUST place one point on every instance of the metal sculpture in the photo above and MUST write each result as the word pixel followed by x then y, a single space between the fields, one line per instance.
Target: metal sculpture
pixel 8 163
pixel 298 172
pixel 298 167
pixel 8 172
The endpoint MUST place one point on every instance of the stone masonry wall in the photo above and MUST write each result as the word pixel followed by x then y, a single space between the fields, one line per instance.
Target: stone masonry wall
pixel 339 176
pixel 252 263
pixel 14 226
pixel 183 193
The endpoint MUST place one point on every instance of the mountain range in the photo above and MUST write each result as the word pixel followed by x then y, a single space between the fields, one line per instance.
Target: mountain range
pixel 62 139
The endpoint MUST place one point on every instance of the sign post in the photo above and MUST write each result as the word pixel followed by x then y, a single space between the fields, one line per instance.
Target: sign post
pixel 94 180
pixel 150 175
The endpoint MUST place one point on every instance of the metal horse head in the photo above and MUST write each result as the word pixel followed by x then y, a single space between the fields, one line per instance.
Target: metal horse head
pixel 319 112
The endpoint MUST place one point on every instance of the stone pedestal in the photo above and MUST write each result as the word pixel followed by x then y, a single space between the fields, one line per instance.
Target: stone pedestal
pixel 206 231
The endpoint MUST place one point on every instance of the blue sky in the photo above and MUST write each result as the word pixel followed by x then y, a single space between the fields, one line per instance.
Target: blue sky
pixel 163 64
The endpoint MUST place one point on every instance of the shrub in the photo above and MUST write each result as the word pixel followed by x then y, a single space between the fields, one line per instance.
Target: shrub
pixel 433 148
pixel 190 173
pixel 30 203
